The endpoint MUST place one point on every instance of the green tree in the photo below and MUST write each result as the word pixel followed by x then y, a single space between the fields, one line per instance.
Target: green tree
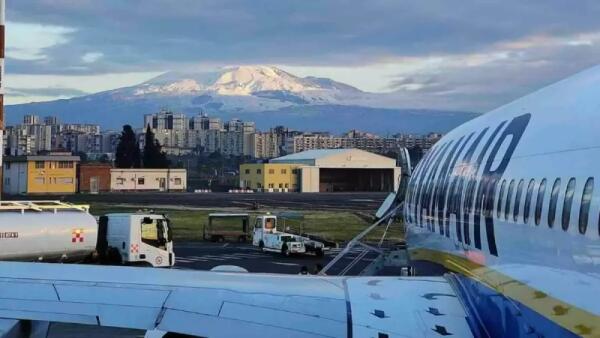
pixel 128 150
pixel 153 156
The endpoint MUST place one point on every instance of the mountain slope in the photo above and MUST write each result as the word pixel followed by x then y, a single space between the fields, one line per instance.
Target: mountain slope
pixel 267 95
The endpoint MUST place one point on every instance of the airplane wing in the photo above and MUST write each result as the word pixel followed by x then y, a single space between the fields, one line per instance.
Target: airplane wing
pixel 214 304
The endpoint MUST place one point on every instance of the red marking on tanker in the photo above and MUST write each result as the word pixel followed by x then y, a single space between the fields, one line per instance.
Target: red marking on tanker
pixel 77 236
pixel 135 248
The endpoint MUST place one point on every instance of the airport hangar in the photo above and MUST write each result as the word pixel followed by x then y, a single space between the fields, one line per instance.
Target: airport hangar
pixel 323 170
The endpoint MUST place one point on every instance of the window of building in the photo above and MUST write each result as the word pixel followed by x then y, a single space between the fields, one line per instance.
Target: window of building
pixel 7 165
pixel 259 171
pixel 287 185
pixel 280 185
pixel 527 206
pixel 271 185
pixel 500 198
pixel 271 171
pixel 247 171
pixel 568 203
pixel 258 185
pixel 284 171
pixel 39 180
pixel 553 202
pixel 511 188
pixel 39 164
pixel 584 209
pixel 539 202
pixel 120 180
pixel 64 180
pixel 65 164
pixel 516 208
pixel 177 180
pixel 141 180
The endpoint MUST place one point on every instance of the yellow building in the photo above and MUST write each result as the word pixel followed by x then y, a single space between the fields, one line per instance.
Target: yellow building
pixel 323 170
pixel 40 174
pixel 273 177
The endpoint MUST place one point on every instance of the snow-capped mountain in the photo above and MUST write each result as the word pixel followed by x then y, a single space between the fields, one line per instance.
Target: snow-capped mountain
pixel 266 94
pixel 234 87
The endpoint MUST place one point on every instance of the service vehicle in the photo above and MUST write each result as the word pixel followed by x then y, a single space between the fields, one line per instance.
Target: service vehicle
pixel 220 227
pixel 53 231
pixel 268 238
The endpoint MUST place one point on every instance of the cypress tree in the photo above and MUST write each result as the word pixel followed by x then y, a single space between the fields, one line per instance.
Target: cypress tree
pixel 128 150
pixel 153 156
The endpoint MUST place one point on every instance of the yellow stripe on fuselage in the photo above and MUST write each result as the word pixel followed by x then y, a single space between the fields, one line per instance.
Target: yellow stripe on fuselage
pixel 576 320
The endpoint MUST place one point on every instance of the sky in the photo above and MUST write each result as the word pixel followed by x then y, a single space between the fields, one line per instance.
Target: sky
pixel 467 55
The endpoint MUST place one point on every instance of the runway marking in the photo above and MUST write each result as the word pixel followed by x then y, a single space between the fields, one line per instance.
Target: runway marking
pixel 286 264
pixel 225 245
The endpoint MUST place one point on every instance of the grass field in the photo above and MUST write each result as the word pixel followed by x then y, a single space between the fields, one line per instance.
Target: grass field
pixel 336 226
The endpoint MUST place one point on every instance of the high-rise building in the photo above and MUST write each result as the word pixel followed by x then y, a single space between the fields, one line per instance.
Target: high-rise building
pixel 31 119
pixel 166 120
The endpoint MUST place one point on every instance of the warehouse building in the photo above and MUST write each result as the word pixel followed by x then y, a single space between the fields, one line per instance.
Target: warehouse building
pixel 148 179
pixel 55 173
pixel 323 170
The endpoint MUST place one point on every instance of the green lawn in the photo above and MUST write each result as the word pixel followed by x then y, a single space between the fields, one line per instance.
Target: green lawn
pixel 333 225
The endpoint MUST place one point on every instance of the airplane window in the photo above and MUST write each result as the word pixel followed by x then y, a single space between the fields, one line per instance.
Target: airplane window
pixel 511 187
pixel 527 206
pixel 500 197
pixel 539 203
pixel 553 201
pixel 518 200
pixel 566 214
pixel 584 209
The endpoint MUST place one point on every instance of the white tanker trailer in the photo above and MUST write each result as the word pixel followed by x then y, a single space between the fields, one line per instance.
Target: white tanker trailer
pixel 57 231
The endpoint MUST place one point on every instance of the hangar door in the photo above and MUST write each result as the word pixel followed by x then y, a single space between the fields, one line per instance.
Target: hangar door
pixel 333 180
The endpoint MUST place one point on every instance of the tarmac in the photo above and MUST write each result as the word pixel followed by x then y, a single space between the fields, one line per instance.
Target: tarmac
pixel 357 201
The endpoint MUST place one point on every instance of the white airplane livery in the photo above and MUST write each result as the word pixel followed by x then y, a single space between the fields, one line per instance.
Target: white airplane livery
pixel 510 201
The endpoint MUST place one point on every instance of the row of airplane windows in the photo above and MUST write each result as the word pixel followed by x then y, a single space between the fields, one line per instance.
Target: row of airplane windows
pixel 503 206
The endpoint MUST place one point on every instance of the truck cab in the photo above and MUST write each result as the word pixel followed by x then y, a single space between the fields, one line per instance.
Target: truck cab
pixel 267 238
pixel 139 238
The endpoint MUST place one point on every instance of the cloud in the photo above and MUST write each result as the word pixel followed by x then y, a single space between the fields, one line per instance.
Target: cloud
pixel 52 92
pixel 141 35
pixel 482 81
pixel 28 41
pixel 91 57
pixel 430 53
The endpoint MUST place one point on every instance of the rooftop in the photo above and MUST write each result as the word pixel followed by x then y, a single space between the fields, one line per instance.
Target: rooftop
pixel 26 158
pixel 311 154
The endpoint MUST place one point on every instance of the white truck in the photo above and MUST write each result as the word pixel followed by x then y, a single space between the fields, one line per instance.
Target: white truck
pixel 57 231
pixel 267 238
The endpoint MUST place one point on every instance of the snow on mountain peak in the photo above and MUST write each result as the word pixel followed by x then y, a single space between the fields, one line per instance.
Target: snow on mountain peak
pixel 246 80
pixel 183 86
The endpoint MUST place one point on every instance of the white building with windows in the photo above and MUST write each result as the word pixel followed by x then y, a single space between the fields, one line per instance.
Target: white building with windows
pixel 148 179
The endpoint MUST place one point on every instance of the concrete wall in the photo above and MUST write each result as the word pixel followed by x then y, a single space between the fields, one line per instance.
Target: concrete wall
pixel 310 179
pixel 148 179
pixel 15 178
pixel 355 158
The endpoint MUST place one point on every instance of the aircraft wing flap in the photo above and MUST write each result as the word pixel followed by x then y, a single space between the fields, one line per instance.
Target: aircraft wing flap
pixel 411 307
pixel 112 295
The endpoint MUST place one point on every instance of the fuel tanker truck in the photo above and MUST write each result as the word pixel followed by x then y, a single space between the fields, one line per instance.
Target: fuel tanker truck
pixel 54 231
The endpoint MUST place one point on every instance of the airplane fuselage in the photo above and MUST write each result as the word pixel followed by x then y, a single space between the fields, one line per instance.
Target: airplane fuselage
pixel 511 200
